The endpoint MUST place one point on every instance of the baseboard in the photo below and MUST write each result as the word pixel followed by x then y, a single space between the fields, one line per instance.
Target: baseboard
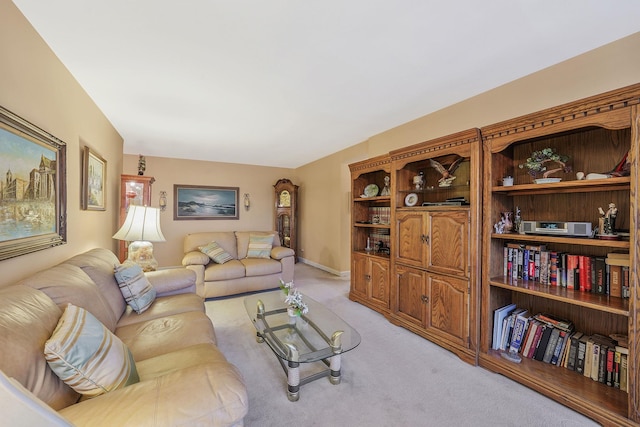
pixel 346 274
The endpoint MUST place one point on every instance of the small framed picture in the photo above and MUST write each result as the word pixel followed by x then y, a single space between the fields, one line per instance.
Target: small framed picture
pixel 94 179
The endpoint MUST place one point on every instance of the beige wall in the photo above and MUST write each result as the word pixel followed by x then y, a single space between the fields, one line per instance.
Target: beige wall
pixel 37 87
pixel 256 180
pixel 324 220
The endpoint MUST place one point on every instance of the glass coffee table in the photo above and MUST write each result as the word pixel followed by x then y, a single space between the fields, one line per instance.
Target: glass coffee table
pixel 318 336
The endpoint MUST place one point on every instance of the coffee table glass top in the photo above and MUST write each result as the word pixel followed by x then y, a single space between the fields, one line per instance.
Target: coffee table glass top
pixel 311 334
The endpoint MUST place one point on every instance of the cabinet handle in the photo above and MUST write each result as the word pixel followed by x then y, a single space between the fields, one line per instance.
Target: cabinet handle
pixel 367 277
pixel 425 239
pixel 424 298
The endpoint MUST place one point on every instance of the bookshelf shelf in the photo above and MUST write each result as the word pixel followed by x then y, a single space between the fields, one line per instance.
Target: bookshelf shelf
pixel 600 135
pixel 574 186
pixel 370 228
pixel 582 241
pixel 598 401
pixel 603 303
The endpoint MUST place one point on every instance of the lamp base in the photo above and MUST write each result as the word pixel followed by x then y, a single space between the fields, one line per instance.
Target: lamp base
pixel 141 252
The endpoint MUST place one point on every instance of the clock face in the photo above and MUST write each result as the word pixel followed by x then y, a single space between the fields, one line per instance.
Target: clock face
pixel 285 199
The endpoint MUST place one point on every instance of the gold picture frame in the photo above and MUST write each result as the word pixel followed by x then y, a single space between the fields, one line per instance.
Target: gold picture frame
pixel 94 181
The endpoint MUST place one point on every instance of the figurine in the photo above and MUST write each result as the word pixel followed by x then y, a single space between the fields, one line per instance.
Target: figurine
pixel 418 180
pixel 517 221
pixel 142 164
pixel 447 174
pixel 386 190
pixel 607 221
pixel 504 225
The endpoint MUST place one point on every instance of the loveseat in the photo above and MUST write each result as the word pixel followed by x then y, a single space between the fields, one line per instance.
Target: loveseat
pixel 175 373
pixel 238 261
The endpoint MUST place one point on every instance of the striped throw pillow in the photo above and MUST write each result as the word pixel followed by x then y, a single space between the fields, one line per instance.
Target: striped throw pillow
pixel 87 356
pixel 135 287
pixel 215 252
pixel 260 246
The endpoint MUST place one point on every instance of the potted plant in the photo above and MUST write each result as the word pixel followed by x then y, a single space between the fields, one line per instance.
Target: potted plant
pixel 293 298
pixel 539 163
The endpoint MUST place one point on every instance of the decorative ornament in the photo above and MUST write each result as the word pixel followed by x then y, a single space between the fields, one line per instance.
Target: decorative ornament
pixel 142 164
pixel 538 162
pixel 447 174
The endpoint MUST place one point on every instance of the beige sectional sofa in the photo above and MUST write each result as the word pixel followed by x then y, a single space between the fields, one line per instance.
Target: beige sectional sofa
pixel 184 379
pixel 242 273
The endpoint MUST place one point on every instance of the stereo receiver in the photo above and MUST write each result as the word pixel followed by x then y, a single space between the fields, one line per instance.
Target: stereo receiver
pixel 557 228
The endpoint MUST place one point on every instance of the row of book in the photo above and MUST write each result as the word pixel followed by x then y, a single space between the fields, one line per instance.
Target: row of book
pixel 551 340
pixel 601 275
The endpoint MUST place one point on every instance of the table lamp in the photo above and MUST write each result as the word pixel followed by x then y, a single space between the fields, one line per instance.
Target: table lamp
pixel 141 227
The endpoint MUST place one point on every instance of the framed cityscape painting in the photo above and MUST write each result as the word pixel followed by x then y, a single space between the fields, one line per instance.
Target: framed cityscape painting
pixel 33 202
pixel 205 202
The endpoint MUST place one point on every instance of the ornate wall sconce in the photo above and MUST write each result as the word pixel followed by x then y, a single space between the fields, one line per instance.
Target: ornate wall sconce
pixel 247 202
pixel 163 201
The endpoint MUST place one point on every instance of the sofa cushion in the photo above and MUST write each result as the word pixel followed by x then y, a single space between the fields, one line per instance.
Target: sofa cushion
pixel 229 270
pixel 261 267
pixel 164 306
pixel 66 283
pixel 98 263
pixel 166 334
pixel 135 286
pixel 260 246
pixel 195 258
pixel 208 394
pixel 33 317
pixel 87 356
pixel 226 240
pixel 215 252
pixel 242 238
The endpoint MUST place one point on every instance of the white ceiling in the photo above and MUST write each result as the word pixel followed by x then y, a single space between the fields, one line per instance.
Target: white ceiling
pixel 285 82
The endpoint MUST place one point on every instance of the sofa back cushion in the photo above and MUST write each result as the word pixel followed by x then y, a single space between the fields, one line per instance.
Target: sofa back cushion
pixel 243 237
pixel 66 283
pixel 226 240
pixel 28 320
pixel 99 263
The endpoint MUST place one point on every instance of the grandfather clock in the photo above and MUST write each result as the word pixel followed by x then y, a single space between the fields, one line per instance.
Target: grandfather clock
pixel 286 212
pixel 134 190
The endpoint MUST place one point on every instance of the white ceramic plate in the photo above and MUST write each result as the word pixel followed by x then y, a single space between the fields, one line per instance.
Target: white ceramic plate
pixel 371 190
pixel 411 199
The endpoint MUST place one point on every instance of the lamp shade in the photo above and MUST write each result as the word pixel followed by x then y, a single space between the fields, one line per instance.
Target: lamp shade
pixel 142 223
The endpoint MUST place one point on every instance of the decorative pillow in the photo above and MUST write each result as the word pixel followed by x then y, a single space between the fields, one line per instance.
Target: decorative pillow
pixel 215 252
pixel 87 356
pixel 260 246
pixel 135 287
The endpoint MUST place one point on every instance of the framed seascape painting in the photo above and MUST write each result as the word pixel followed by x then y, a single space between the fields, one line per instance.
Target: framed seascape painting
pixel 205 202
pixel 94 181
pixel 33 200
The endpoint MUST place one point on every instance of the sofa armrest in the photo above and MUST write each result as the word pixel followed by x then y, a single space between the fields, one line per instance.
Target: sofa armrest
pixel 280 252
pixel 20 407
pixel 195 258
pixel 171 281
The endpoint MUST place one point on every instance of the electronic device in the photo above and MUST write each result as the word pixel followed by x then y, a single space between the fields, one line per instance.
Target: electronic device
pixel 557 228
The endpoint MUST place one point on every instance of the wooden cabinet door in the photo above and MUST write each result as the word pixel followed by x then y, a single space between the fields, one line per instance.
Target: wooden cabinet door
pixel 359 273
pixel 448 308
pixel 379 281
pixel 411 247
pixel 447 245
pixel 411 297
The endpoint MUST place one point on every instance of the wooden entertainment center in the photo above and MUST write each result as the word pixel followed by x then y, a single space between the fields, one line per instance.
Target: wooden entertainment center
pixel 438 269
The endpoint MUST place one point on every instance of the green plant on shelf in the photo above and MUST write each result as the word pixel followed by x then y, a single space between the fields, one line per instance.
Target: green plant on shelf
pixel 539 161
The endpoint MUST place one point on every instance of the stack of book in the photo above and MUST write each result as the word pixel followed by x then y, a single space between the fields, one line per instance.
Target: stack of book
pixel 549 339
pixel 601 275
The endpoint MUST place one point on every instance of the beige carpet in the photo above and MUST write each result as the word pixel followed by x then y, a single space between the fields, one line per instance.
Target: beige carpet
pixel 393 378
